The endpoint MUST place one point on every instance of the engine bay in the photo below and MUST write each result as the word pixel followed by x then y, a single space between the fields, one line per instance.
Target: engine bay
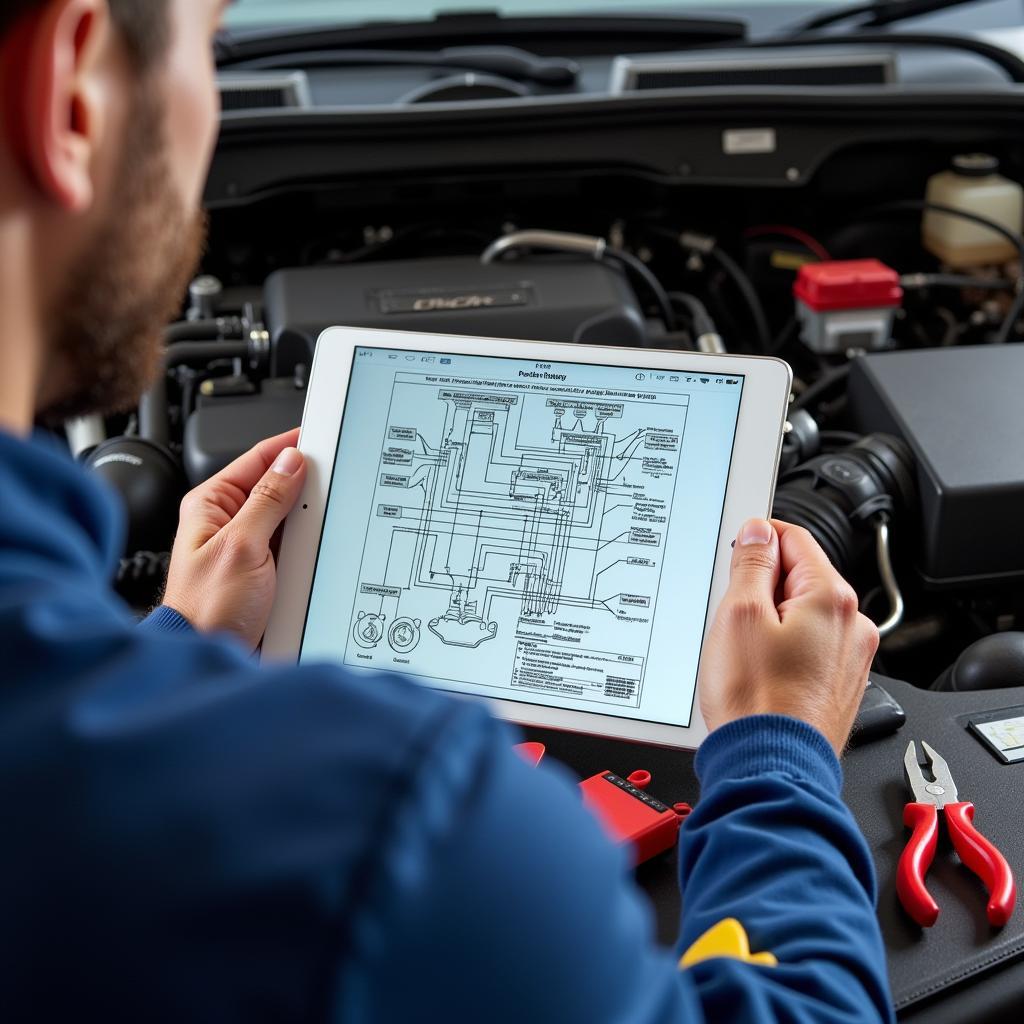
pixel 877 252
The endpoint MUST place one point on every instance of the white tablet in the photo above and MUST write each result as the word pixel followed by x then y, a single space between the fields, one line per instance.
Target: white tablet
pixel 547 527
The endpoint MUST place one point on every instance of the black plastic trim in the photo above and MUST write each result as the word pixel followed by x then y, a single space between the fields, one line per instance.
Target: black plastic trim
pixel 671 136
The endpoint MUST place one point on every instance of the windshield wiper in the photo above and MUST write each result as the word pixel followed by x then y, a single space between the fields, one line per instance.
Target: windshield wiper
pixel 878 13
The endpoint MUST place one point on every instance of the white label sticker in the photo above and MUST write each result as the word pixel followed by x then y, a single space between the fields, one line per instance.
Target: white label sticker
pixel 1006 736
pixel 738 141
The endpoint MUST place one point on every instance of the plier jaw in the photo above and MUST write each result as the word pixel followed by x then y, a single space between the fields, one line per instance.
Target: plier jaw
pixel 922 815
pixel 942 790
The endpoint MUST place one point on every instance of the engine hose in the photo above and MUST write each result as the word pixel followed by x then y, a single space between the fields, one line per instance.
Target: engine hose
pixel 902 206
pixel 640 270
pixel 750 297
pixel 822 386
pixel 585 245
pixel 193 330
pixel 705 332
pixel 154 413
pixel 889 582
pixel 826 521
pixel 203 351
pixel 839 496
pixel 185 341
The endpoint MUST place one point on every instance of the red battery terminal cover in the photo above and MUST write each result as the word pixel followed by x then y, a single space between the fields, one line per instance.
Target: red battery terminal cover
pixel 848 284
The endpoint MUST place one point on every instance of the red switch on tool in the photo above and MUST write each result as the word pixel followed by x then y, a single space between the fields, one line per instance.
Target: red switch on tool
pixel 628 814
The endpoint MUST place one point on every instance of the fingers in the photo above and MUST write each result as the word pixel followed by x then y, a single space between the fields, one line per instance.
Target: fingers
pixel 811 580
pixel 805 565
pixel 214 503
pixel 755 568
pixel 245 472
pixel 270 500
pixel 798 547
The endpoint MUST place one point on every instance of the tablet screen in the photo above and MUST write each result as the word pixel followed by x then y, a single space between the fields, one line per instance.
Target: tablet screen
pixel 537 532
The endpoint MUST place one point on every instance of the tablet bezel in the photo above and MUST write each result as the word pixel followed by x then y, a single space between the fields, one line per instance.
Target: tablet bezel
pixel 749 489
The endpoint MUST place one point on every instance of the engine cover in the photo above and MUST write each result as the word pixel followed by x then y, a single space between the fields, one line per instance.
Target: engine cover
pixel 960 411
pixel 551 299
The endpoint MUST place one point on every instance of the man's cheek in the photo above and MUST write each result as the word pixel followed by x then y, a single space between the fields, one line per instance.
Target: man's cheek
pixel 192 106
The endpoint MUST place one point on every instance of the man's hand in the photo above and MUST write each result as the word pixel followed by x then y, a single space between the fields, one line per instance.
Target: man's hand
pixel 223 575
pixel 788 638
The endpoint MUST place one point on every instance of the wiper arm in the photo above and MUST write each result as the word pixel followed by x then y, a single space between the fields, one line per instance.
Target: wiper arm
pixel 878 13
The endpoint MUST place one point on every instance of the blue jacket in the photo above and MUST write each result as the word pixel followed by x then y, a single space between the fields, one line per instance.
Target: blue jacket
pixel 187 837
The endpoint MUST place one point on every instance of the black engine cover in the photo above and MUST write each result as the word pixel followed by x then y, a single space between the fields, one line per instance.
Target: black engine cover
pixel 551 299
pixel 961 412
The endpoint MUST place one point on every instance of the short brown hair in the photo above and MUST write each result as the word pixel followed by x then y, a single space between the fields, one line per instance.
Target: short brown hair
pixel 143 23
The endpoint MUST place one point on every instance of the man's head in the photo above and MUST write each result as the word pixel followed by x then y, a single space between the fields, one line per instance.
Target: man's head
pixel 107 123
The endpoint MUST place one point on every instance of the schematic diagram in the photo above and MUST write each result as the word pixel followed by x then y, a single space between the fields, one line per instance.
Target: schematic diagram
pixel 516 536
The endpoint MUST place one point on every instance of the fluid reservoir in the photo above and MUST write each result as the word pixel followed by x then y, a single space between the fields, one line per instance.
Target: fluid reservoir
pixel 974 185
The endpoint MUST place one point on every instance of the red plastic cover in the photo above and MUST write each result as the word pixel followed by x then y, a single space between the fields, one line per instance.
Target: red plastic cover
pixel 629 815
pixel 848 284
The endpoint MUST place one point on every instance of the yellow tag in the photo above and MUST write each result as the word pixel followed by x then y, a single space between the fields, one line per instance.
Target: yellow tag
pixel 780 259
pixel 727 938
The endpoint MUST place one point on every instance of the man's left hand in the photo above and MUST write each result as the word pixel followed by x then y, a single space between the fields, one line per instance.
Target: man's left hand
pixel 223 574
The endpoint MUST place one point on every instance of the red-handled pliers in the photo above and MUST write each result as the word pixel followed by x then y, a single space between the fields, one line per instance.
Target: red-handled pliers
pixel 974 849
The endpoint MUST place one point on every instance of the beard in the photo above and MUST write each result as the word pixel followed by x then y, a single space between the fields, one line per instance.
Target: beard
pixel 107 341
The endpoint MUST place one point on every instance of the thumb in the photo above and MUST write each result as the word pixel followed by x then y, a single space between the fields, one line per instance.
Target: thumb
pixel 755 564
pixel 272 497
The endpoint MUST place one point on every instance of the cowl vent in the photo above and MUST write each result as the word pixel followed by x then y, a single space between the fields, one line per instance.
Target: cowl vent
pixel 766 68
pixel 259 90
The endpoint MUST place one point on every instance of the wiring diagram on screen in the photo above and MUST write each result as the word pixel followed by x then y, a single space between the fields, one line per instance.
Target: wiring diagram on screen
pixel 521 528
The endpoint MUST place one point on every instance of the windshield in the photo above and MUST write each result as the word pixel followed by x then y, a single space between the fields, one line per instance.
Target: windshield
pixel 245 13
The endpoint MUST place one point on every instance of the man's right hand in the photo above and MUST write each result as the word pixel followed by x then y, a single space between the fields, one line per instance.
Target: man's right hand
pixel 788 638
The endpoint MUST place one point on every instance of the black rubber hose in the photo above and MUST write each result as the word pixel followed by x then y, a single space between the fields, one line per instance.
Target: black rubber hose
pixel 788 334
pixel 184 341
pixel 154 416
pixel 203 351
pixel 913 281
pixel 640 270
pixel 917 205
pixel 193 330
pixel 821 387
pixel 749 293
pixel 739 278
pixel 1016 240
pixel 700 318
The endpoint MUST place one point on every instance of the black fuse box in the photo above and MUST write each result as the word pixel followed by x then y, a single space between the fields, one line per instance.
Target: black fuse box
pixel 961 410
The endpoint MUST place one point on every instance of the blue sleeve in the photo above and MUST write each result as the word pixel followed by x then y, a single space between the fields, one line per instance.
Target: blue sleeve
pixel 497 898
pixel 166 620
pixel 772 844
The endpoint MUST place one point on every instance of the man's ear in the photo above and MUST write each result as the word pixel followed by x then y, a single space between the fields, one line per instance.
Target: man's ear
pixel 52 59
